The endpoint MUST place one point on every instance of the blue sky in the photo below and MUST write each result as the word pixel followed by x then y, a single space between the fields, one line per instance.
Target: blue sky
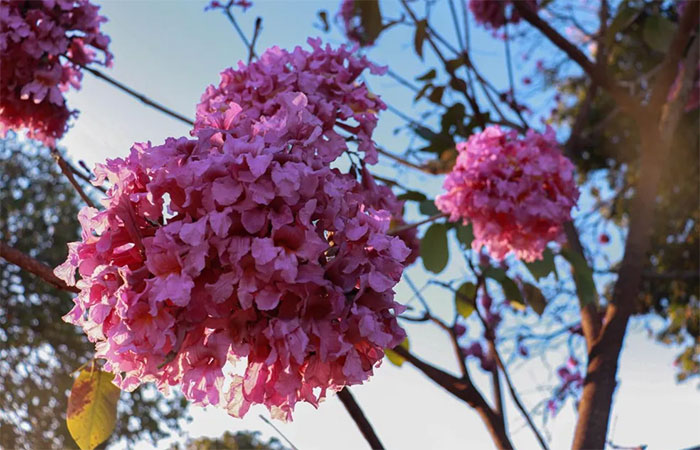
pixel 171 50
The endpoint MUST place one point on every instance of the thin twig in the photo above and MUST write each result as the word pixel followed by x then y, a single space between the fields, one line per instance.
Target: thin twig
pixel 513 393
pixel 360 419
pixel 256 33
pixel 34 266
pixel 408 226
pixel 264 419
pixel 139 96
pixel 241 34
pixel 405 162
pixel 66 169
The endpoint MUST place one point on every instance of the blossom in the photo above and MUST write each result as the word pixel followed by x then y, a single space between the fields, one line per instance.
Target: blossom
pixel 214 4
pixel 496 13
pixel 239 264
pixel 382 197
pixel 516 191
pixel 42 48
pixel 570 385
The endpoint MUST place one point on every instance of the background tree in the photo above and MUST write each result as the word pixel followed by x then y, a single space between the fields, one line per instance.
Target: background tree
pixel 39 352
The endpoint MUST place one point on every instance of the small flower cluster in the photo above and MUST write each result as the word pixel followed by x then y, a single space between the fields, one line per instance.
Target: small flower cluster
pixel 516 192
pixel 42 46
pixel 243 246
pixel 299 99
pixel 215 4
pixel 571 384
pixel 496 13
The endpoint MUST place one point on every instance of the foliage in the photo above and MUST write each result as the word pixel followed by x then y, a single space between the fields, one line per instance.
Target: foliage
pixel 241 440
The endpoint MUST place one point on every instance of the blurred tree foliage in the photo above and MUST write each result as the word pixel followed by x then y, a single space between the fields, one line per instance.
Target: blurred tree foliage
pixel 609 141
pixel 38 351
pixel 241 440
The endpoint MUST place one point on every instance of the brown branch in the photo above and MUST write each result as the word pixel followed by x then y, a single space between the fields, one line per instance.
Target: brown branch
pixel 137 95
pixel 66 169
pixel 496 385
pixel 409 226
pixel 360 419
pixel 516 399
pixel 596 73
pixel 34 266
pixel 494 353
pixel 256 34
pixel 464 390
pixel 656 141
pixel 84 177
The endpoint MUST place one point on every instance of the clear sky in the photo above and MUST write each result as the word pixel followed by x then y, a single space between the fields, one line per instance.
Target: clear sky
pixel 171 50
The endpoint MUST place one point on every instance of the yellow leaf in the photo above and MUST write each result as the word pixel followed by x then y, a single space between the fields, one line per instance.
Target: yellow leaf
pixel 92 408
pixel 394 357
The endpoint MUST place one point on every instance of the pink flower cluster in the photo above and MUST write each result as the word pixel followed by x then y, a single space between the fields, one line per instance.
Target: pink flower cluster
pixel 496 13
pixel 517 192
pixel 42 45
pixel 215 4
pixel 571 384
pixel 239 264
pixel 302 98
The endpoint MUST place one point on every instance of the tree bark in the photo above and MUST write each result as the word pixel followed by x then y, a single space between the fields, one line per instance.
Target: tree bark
pixel 656 134
pixel 463 389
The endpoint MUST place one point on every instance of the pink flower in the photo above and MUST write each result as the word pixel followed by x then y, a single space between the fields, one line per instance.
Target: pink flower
pixel 494 14
pixel 244 247
pixel 516 192
pixel 36 41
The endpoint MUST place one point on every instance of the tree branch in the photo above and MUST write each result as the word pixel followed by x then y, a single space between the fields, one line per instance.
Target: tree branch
pixel 137 95
pixel 464 390
pixel 34 266
pixel 656 141
pixel 68 172
pixel 597 74
pixel 360 419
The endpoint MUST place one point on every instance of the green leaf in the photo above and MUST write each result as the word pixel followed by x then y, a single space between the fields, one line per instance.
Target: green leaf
pixel 323 15
pixel 542 267
pixel 658 32
pixel 464 297
pixel 510 289
pixel 454 64
pixel 458 84
pixel 371 19
pixel 465 235
pixel 419 37
pixel 535 298
pixel 433 248
pixel 427 76
pixel 624 18
pixel 428 208
pixel 394 357
pixel 583 277
pixel 413 196
pixel 454 116
pixel 436 95
pixel 421 94
pixel 92 408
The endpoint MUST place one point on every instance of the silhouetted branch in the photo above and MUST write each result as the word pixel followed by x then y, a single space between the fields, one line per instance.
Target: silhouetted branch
pixel 34 266
pixel 360 419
